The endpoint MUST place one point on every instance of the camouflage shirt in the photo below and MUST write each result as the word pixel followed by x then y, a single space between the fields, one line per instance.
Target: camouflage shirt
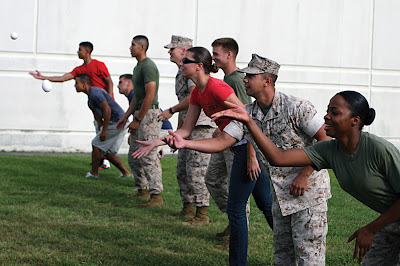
pixel 290 123
pixel 182 86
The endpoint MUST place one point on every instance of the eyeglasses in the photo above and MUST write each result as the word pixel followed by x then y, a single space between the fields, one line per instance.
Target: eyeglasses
pixel 188 61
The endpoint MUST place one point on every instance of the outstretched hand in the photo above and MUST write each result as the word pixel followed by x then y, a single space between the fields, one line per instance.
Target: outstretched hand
pixel 146 147
pixel 363 243
pixel 174 140
pixel 37 75
pixel 235 112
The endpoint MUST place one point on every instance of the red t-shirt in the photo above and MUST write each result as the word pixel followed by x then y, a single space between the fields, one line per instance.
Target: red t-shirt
pixel 212 99
pixel 96 70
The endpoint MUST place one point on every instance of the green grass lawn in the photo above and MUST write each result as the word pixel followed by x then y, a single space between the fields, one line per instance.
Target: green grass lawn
pixel 51 214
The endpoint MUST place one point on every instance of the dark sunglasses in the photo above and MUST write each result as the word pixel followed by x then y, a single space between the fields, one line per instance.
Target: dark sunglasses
pixel 188 61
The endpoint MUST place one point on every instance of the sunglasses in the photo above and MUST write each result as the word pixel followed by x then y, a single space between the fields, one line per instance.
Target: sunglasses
pixel 188 61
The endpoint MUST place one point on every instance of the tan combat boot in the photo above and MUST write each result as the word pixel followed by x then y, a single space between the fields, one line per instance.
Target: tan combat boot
pixel 142 193
pixel 155 200
pixel 224 233
pixel 188 211
pixel 201 217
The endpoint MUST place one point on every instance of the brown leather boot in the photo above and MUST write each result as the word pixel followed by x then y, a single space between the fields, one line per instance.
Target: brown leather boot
pixel 142 193
pixel 201 217
pixel 224 233
pixel 155 200
pixel 188 211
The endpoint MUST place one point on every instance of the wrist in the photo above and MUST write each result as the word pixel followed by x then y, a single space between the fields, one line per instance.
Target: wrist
pixel 137 119
pixel 171 111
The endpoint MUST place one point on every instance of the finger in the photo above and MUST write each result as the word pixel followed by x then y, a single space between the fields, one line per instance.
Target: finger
pixel 351 237
pixel 361 254
pixel 250 175
pixel 356 249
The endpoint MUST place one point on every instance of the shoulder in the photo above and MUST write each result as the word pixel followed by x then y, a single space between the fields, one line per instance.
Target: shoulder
pixel 379 144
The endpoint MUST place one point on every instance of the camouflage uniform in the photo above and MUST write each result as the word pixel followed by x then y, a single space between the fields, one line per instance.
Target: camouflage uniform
pixel 217 176
pixel 147 169
pixel 192 165
pixel 385 248
pixel 290 123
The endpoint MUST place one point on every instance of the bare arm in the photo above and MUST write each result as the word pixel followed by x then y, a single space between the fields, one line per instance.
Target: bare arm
pixel 190 121
pixel 131 109
pixel 276 157
pixel 300 183
pixel 211 145
pixel 253 168
pixel 109 85
pixel 365 235
pixel 106 119
pixel 65 77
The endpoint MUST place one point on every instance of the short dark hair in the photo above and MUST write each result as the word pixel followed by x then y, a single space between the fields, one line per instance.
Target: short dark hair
pixel 272 76
pixel 87 45
pixel 228 44
pixel 126 76
pixel 359 106
pixel 142 40
pixel 85 79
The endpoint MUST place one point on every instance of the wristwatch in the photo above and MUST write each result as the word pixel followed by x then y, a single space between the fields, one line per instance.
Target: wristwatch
pixel 137 119
pixel 170 110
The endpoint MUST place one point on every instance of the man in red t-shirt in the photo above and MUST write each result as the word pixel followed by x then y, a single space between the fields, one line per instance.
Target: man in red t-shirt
pixel 96 70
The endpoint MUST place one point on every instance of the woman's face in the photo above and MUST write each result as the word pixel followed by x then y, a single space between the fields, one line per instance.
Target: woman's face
pixel 338 119
pixel 189 68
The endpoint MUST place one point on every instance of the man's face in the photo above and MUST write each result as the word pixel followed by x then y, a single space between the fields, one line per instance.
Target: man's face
pixel 176 54
pixel 254 83
pixel 124 85
pixel 135 48
pixel 79 85
pixel 219 56
pixel 82 52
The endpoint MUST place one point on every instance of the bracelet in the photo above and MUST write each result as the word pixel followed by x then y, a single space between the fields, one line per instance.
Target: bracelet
pixel 170 110
pixel 137 119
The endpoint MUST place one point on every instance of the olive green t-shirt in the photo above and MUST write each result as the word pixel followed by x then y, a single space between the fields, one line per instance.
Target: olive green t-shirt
pixel 235 80
pixel 371 174
pixel 144 72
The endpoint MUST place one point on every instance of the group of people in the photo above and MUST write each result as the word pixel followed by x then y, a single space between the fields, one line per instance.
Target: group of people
pixel 278 140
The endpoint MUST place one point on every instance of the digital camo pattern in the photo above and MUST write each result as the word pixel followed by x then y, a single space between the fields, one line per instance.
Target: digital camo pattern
pixel 177 41
pixel 191 169
pixel 300 238
pixel 286 125
pixel 259 65
pixel 146 170
pixel 217 177
pixel 182 86
pixel 385 248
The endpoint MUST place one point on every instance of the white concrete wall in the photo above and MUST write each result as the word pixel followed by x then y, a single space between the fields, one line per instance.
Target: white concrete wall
pixel 323 46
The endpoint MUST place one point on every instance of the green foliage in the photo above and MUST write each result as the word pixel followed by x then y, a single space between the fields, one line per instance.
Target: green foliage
pixel 51 214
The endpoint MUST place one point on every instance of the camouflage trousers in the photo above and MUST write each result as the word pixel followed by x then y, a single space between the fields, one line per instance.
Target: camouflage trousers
pixel 191 169
pixel 217 177
pixel 147 170
pixel 300 238
pixel 385 248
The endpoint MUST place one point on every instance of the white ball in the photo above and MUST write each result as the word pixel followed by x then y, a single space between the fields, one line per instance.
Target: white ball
pixel 46 85
pixel 14 35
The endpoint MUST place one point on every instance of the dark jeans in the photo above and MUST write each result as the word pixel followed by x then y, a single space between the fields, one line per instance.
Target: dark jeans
pixel 240 188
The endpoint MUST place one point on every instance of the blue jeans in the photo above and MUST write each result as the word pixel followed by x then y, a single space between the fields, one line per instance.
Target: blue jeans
pixel 240 188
